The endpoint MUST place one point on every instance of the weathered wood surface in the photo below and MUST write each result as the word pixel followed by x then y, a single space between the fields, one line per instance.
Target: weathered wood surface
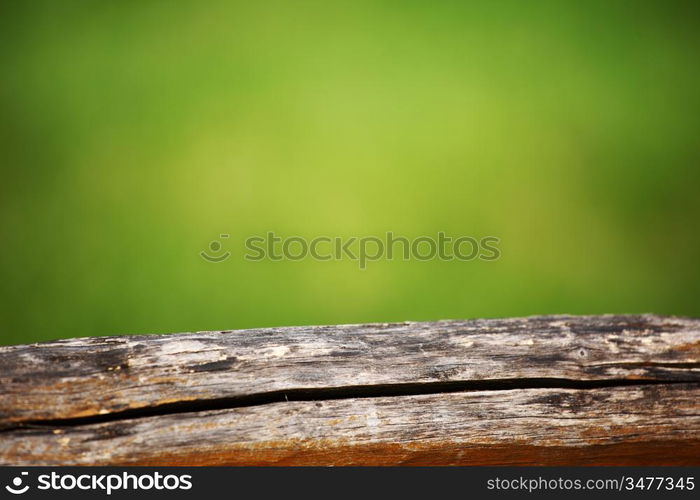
pixel 633 425
pixel 540 390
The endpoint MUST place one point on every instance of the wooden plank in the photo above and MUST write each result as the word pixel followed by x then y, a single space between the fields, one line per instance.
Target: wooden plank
pixel 82 377
pixel 641 425
pixel 557 389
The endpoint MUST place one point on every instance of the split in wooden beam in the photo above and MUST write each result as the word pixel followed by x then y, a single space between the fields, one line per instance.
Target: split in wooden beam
pixel 557 390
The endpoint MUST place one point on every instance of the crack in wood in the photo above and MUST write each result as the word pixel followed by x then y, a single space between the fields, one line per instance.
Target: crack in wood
pixel 556 390
pixel 336 393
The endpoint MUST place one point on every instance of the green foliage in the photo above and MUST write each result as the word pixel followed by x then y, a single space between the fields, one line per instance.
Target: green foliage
pixel 134 133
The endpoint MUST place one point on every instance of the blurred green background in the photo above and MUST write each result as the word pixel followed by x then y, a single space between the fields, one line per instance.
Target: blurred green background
pixel 134 133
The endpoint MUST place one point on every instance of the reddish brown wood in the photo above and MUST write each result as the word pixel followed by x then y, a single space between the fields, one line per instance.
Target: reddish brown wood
pixel 563 390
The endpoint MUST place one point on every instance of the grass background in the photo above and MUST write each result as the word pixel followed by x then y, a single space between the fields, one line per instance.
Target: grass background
pixel 134 133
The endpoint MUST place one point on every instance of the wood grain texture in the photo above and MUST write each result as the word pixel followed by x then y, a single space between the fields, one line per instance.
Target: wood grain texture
pixel 539 390
pixel 635 425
